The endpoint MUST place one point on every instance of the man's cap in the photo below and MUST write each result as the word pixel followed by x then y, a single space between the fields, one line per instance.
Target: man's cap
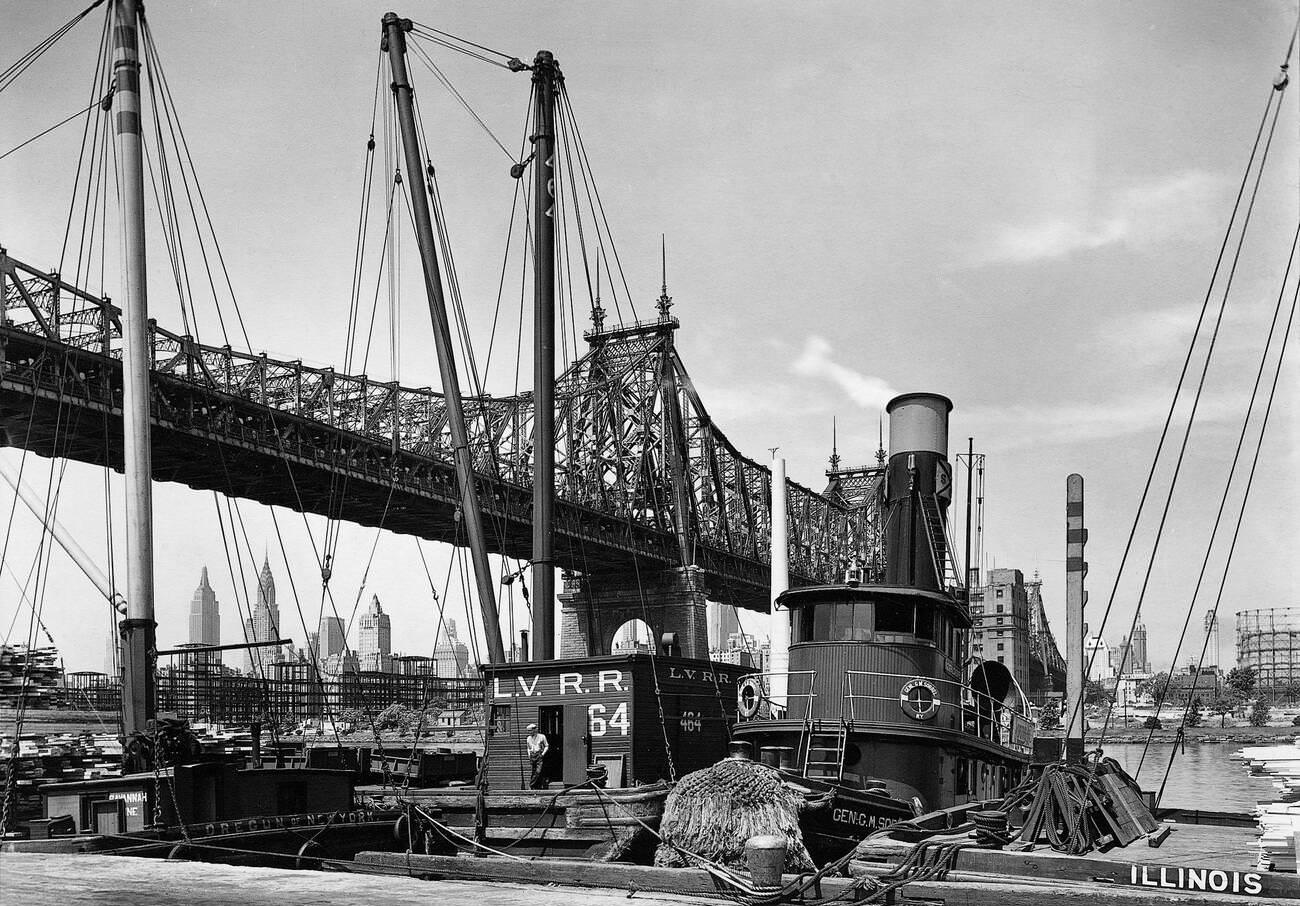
pixel 531 727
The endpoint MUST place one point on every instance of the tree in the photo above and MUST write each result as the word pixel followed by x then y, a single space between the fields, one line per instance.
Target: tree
pixel 1158 687
pixel 1242 680
pixel 1224 705
pixel 1260 714
pixel 1152 723
pixel 1094 693
pixel 1049 716
pixel 1193 718
pixel 1292 692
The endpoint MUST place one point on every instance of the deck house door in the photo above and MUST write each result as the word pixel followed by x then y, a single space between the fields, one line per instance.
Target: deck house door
pixel 575 742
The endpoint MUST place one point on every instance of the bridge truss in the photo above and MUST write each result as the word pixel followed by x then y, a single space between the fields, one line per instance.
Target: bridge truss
pixel 644 476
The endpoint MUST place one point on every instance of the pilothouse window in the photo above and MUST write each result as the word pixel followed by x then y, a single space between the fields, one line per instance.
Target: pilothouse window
pixel 925 617
pixel 894 616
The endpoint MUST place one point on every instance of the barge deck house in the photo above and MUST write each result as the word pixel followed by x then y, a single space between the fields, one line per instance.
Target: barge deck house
pixel 641 717
pixel 881 702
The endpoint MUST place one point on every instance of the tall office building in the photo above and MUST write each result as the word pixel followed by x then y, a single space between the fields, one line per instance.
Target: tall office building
pixel 331 639
pixel 264 624
pixel 205 619
pixel 1000 622
pixel 375 646
pixel 450 653
pixel 723 624
pixel 1138 660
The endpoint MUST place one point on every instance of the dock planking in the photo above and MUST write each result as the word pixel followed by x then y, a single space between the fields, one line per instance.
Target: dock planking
pixel 59 880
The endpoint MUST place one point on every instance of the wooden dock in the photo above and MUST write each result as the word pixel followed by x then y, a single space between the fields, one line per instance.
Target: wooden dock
pixel 63 880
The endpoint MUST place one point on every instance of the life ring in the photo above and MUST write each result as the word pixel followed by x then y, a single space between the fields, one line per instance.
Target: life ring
pixel 919 698
pixel 749 697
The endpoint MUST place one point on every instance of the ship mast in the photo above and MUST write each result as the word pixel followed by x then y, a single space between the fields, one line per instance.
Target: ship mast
pixel 138 629
pixel 545 76
pixel 394 43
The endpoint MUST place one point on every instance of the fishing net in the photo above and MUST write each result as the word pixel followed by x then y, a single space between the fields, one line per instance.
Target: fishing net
pixel 713 812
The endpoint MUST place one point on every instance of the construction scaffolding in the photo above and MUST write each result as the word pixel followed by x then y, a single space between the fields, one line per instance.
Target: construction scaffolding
pixel 1269 640
pixel 294 694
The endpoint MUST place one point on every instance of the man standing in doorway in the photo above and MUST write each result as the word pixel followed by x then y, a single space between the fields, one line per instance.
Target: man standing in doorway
pixel 537 749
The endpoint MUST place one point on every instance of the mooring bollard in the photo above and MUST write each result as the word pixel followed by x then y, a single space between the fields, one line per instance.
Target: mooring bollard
pixel 765 855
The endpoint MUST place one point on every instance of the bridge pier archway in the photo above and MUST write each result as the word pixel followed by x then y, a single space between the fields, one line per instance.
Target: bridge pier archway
pixel 593 609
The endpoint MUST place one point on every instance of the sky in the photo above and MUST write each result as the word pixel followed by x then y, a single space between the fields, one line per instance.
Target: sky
pixel 1018 205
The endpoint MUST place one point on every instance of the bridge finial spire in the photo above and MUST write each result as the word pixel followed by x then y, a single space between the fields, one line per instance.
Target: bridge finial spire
pixel 880 432
pixel 835 451
pixel 665 301
pixel 597 312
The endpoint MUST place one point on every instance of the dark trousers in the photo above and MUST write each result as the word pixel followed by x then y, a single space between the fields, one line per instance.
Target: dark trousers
pixel 538 781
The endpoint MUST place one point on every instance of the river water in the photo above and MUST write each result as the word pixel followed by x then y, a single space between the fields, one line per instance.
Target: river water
pixel 1202 777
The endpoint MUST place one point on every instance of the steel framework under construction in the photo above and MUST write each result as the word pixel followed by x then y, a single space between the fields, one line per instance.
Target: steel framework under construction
pixel 208 693
pixel 1268 639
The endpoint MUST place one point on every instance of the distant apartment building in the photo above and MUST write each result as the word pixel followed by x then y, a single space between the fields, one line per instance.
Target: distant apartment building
pixel 741 649
pixel 375 645
pixel 205 621
pixel 1097 659
pixel 1000 622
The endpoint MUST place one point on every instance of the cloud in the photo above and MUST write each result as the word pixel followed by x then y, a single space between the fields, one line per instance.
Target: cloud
pixel 1105 419
pixel 815 361
pixel 1155 337
pixel 1136 217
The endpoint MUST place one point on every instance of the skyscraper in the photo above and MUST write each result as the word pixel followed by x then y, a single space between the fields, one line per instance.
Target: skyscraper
pixel 205 619
pixel 264 624
pixel 375 647
pixel 451 654
pixel 1138 662
pixel 331 639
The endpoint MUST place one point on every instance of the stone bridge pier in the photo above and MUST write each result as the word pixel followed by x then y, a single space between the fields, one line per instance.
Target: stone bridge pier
pixel 594 607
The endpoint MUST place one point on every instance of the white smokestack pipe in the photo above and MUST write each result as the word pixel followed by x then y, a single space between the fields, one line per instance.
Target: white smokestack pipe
pixel 778 626
pixel 73 550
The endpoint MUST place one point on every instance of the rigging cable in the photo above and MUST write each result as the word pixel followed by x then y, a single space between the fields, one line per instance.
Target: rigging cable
pixel 44 132
pixel 1196 399
pixel 1232 471
pixel 19 66
pixel 1178 389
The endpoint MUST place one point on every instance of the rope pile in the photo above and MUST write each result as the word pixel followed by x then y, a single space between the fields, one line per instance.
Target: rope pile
pixel 712 812
pixel 1061 801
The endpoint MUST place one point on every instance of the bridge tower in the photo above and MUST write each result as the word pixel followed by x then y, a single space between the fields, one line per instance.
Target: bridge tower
pixel 671 601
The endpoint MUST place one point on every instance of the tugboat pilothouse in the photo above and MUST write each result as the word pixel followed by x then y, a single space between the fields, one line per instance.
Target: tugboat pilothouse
pixel 880 703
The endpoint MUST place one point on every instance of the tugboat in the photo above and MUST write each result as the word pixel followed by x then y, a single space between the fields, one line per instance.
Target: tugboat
pixel 880 707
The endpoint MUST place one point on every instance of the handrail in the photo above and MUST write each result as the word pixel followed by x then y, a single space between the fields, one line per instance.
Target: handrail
pixel 960 685
pixel 971 702
pixel 809 695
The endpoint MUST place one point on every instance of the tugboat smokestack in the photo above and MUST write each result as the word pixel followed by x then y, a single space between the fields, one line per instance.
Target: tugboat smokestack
pixel 918 489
